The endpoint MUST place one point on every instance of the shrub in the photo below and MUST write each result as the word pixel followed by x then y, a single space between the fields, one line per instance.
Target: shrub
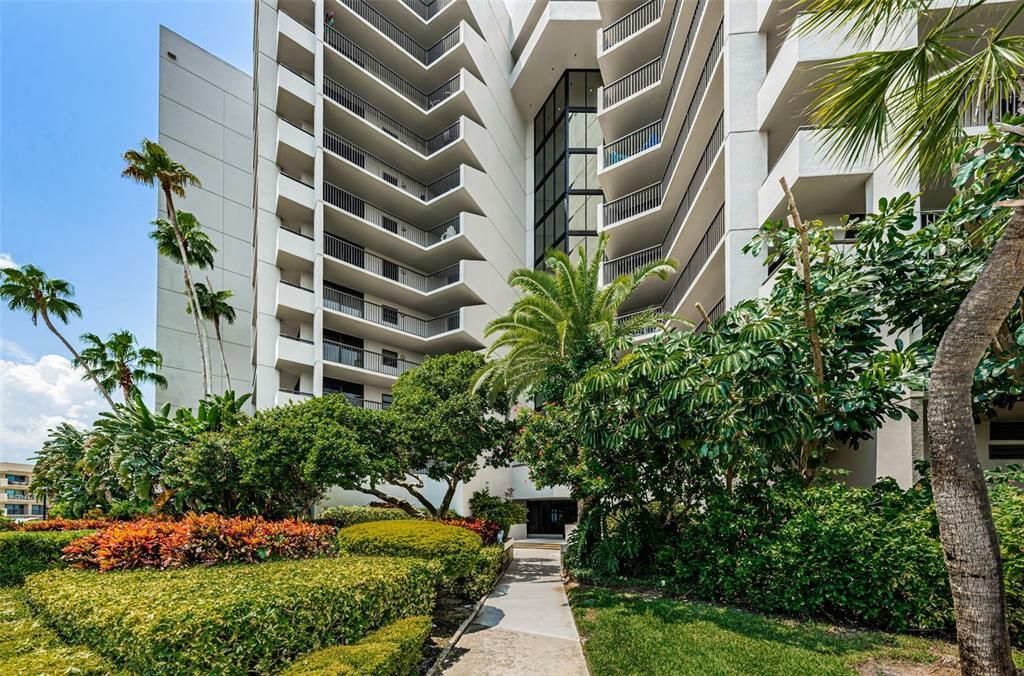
pixel 489 563
pixel 28 647
pixel 454 549
pixel 7 524
pixel 1008 514
pixel 230 619
pixel 63 524
pixel 391 651
pixel 350 515
pixel 487 530
pixel 503 512
pixel 24 553
pixel 195 539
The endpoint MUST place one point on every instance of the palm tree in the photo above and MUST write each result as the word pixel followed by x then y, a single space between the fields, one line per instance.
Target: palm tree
pixel 119 362
pixel 151 165
pixel 29 289
pixel 910 105
pixel 215 308
pixel 564 322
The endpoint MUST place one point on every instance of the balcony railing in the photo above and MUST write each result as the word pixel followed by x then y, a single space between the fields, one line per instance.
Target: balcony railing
pixel 700 256
pixel 622 319
pixel 297 393
pixel 349 151
pixel 929 217
pixel 365 211
pixel 632 204
pixel 633 143
pixel 427 10
pixel 390 317
pixel 387 124
pixel 360 57
pixel 629 25
pixel 693 188
pixel 359 402
pixel 22 497
pixel 977 115
pixel 335 247
pixel 425 55
pixel 631 83
pixel 624 265
pixel 359 358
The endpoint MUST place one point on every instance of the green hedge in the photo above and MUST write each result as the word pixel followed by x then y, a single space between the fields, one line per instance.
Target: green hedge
pixel 391 651
pixel 350 515
pixel 231 618
pixel 29 647
pixel 488 566
pixel 22 554
pixel 454 549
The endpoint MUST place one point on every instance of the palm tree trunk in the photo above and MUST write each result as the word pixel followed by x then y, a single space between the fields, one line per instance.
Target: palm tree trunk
pixel 204 356
pixel 962 505
pixel 127 384
pixel 223 356
pixel 78 359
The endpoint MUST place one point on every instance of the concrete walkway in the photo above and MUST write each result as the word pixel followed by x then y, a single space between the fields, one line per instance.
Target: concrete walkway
pixel 525 627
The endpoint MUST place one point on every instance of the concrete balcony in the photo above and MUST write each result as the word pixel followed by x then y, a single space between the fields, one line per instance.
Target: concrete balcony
pixel 461 329
pixel 352 266
pixel 701 279
pixel 285 397
pixel 370 368
pixel 294 249
pixel 427 20
pixel 634 38
pixel 295 199
pixel 294 38
pixel 295 85
pixel 295 302
pixel 820 183
pixel 294 352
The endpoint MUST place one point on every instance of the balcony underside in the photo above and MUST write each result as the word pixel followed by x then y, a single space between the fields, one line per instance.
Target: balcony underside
pixel 450 341
pixel 436 302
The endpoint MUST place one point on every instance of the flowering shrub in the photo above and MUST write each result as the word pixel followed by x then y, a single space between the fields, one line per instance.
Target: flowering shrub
pixel 487 530
pixel 197 540
pixel 6 524
pixel 63 524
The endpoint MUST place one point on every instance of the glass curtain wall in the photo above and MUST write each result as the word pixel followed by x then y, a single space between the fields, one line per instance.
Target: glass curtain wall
pixel 565 140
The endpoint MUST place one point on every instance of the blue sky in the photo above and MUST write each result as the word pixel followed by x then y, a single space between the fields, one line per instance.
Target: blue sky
pixel 78 86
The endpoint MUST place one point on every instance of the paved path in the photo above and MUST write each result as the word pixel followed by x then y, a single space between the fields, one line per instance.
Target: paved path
pixel 525 627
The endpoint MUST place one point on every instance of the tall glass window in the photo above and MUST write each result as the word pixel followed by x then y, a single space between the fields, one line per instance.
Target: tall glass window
pixel 565 140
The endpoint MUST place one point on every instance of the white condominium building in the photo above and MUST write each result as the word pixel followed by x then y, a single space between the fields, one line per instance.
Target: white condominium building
pixel 402 157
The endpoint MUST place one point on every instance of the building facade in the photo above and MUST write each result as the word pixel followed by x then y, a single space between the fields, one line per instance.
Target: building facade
pixel 16 502
pixel 404 156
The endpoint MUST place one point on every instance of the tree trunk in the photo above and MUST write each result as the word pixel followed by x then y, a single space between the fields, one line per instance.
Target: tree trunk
pixel 223 356
pixel 190 293
pixel 127 385
pixel 968 535
pixel 78 359
pixel 404 505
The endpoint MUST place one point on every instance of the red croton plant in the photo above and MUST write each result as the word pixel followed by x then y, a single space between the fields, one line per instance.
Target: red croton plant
pixel 487 530
pixel 197 540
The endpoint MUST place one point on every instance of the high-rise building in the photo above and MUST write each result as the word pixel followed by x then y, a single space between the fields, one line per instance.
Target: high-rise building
pixel 16 501
pixel 406 155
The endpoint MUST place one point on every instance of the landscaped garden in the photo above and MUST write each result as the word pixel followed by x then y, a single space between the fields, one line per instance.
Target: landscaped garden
pixel 211 594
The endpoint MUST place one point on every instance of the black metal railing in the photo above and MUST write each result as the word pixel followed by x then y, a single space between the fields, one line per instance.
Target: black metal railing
pixel 717 311
pixel 337 248
pixel 427 10
pixel 387 124
pixel 374 215
pixel 698 259
pixel 370 64
pixel 632 23
pixel 357 357
pixel 425 55
pixel 362 159
pixel 390 317
pixel 624 265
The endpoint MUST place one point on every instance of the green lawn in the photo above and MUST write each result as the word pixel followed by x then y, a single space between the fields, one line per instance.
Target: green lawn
pixel 633 633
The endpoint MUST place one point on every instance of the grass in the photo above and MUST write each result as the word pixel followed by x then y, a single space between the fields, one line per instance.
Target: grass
pixel 634 633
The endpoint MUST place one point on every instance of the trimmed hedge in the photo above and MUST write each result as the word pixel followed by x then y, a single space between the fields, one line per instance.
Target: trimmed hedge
pixel 231 618
pixel 350 515
pixel 391 651
pixel 28 647
pixel 22 554
pixel 488 567
pixel 198 540
pixel 454 549
pixel 59 524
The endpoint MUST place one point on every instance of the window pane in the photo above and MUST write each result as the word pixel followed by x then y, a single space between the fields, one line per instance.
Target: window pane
pixel 558 138
pixel 577 212
pixel 578 89
pixel 559 98
pixel 583 171
pixel 593 82
pixel 593 130
pixel 559 176
pixel 577 130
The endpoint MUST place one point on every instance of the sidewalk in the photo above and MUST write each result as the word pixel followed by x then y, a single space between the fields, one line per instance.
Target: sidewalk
pixel 525 628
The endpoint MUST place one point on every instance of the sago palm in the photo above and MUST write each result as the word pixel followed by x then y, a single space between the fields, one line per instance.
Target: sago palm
pixel 151 165
pixel 564 319
pixel 28 289
pixel 911 105
pixel 119 362
pixel 216 309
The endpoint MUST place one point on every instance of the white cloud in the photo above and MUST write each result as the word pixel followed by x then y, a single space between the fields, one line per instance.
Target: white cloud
pixel 8 348
pixel 6 261
pixel 37 395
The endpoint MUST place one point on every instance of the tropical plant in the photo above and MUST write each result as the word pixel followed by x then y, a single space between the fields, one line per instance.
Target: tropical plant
pixel 151 165
pixel 61 472
pixel 198 247
pixel 216 309
pixel 564 323
pixel 910 105
pixel 28 289
pixel 119 363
